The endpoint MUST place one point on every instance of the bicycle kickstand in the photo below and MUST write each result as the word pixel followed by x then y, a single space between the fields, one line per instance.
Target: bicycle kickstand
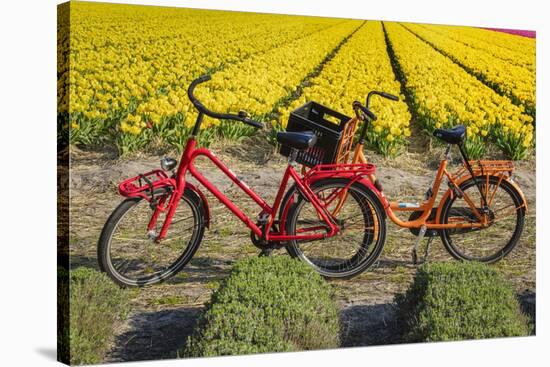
pixel 425 259
pixel 421 234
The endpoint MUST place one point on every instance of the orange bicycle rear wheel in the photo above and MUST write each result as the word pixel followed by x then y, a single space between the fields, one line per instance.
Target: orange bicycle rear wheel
pixel 506 219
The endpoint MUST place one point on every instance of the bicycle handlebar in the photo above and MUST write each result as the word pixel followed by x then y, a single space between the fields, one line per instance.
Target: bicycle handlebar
pixel 389 96
pixel 242 116
pixel 366 111
pixel 381 94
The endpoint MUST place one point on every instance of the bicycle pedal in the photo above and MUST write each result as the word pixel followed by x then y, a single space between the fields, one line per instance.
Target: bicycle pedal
pixel 265 252
pixel 152 235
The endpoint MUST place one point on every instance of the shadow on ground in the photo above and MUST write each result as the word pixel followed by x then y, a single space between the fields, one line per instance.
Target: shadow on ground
pixel 84 261
pixel 203 270
pixel 528 302
pixel 364 325
pixel 48 353
pixel 155 335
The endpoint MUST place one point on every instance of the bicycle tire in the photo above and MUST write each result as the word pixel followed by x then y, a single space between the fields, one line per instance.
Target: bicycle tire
pixel 358 262
pixel 446 234
pixel 103 250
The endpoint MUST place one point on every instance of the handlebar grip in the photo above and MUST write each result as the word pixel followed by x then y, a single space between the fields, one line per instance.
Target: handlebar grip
pixel 366 111
pixel 203 78
pixel 256 124
pixel 389 96
pixel 369 113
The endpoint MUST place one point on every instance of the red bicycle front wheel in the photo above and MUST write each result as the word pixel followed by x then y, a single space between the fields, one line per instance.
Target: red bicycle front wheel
pixel 127 251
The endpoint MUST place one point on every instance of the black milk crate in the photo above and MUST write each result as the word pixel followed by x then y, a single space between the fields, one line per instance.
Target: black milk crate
pixel 326 124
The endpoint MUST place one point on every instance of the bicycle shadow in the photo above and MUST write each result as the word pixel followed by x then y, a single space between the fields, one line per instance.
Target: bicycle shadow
pixel 393 263
pixel 201 270
pixel 83 261
pixel 528 300
pixel 154 335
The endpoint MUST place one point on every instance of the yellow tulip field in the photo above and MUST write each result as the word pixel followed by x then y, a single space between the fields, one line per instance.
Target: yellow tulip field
pixel 360 66
pixel 123 73
pixel 445 94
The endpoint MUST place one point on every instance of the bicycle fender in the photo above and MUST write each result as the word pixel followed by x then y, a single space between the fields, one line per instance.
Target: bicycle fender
pixel 521 195
pixel 283 214
pixel 203 199
pixel 363 180
pixel 459 182
pixel 511 181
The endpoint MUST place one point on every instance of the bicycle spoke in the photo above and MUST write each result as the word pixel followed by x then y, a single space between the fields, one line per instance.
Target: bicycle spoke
pixel 347 249
pixel 360 226
pixel 181 220
pixel 138 258
pixel 495 191
pixel 487 242
pixel 146 240
pixel 505 207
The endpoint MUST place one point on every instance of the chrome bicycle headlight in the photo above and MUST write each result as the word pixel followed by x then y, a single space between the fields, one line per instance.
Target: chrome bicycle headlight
pixel 168 163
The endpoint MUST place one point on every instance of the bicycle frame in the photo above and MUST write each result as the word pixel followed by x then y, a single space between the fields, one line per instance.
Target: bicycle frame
pixel 427 206
pixel 186 166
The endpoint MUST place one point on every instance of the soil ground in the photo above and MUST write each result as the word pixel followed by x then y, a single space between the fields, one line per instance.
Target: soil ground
pixel 164 315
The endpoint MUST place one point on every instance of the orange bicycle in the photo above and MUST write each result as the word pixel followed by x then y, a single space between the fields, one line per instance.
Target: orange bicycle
pixel 480 215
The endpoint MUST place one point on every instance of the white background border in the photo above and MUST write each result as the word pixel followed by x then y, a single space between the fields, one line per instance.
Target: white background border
pixel 28 183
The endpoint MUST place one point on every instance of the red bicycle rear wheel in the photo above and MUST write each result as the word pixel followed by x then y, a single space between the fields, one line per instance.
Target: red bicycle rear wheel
pixel 363 230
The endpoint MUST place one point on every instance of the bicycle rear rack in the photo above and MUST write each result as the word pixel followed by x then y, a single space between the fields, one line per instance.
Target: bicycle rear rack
pixel 349 170
pixel 145 185
pixel 486 167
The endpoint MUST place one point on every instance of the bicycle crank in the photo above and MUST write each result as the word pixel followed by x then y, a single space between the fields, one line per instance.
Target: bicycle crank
pixel 266 247
pixel 152 234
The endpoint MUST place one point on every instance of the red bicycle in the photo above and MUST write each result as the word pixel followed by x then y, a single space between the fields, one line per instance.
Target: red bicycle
pixel 157 229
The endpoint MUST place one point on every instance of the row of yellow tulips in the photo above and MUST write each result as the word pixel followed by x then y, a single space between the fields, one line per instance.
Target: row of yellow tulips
pixel 121 52
pixel 510 79
pixel 362 65
pixel 123 72
pixel 445 94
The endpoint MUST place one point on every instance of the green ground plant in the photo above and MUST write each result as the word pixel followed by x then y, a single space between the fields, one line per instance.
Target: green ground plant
pixel 94 304
pixel 267 304
pixel 459 301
